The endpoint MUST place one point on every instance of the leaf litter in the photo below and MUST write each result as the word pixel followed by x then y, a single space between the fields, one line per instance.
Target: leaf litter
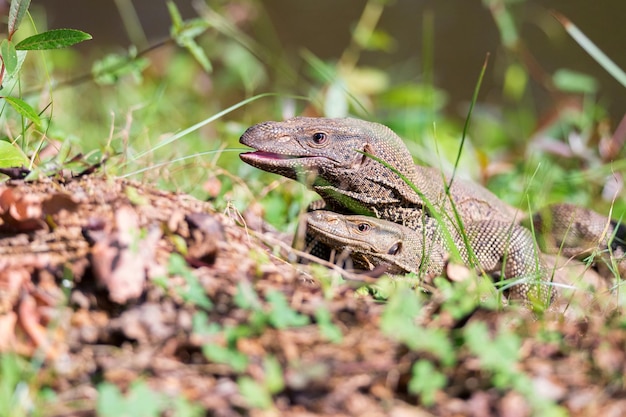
pixel 114 282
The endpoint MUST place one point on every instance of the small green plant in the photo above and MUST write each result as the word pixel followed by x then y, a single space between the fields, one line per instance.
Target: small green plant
pixel 225 352
pixel 141 401
pixel 426 381
pixel 193 293
pixel 259 394
pixel 461 298
pixel 223 349
pixel 281 316
pixel 500 356
pixel 15 398
pixel 398 322
pixel 255 394
pixel 329 330
pixel 12 56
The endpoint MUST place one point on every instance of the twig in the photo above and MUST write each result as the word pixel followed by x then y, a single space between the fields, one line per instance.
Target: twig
pixel 363 278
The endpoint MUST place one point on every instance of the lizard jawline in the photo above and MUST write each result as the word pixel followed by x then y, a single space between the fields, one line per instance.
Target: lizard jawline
pixel 276 159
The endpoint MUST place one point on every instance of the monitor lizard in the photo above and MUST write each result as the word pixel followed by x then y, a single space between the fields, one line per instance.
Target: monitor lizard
pixel 499 248
pixel 333 157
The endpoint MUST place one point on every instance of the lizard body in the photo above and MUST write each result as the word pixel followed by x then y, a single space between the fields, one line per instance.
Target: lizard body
pixel 499 248
pixel 579 232
pixel 330 156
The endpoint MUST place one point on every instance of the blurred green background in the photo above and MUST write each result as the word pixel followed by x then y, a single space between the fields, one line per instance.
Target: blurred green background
pixel 544 129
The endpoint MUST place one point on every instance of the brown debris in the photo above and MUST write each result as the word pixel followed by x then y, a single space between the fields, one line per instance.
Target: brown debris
pixel 96 288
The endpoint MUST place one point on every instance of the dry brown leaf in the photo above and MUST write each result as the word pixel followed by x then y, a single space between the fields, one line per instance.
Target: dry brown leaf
pixel 457 272
pixel 206 232
pixel 7 331
pixel 120 259
pixel 20 213
pixel 11 282
pixel 57 202
pixel 212 186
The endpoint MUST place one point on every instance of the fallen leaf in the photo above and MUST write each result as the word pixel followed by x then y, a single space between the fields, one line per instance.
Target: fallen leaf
pixel 120 259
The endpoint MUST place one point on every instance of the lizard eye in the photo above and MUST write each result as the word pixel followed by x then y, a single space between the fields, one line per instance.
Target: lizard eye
pixel 319 138
pixel 363 227
pixel 395 249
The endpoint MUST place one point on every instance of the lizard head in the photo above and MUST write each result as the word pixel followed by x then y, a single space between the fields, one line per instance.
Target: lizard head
pixel 370 241
pixel 306 144
pixel 331 152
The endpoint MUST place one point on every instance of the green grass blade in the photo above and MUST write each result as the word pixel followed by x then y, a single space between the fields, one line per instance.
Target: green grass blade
pixel 434 212
pixel 198 125
pixel 473 261
pixel 467 120
pixel 591 48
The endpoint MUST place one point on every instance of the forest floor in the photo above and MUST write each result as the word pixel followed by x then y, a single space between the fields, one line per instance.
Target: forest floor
pixel 114 285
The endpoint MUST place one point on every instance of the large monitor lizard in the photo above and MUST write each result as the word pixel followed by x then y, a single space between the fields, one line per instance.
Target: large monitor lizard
pixel 499 249
pixel 332 157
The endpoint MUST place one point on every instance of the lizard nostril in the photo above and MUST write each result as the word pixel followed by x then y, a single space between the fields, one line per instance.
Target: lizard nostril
pixel 393 250
pixel 283 138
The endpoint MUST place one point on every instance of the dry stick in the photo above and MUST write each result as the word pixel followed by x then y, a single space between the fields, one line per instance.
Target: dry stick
pixel 361 278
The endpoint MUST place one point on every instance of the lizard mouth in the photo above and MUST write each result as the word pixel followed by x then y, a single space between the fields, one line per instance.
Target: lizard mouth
pixel 261 155
pixel 290 166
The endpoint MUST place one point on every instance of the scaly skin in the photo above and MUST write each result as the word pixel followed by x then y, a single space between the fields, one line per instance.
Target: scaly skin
pixel 498 248
pixel 326 154
pixel 578 232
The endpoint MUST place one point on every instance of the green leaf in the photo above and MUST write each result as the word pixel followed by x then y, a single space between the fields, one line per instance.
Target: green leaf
pixel 505 22
pixel 426 380
pixel 201 325
pixel 185 32
pixel 112 67
pixel 198 53
pixel 110 400
pixel 16 14
pixel 9 56
pixel 498 355
pixel 193 294
pixel 254 393
pixel 282 316
pixel 143 401
pixel 11 156
pixel 185 36
pixel 327 328
pixel 177 20
pixel 515 82
pixel 574 82
pixel 274 380
pixel 10 376
pixel 246 298
pixel 53 39
pixel 231 357
pixel 376 40
pixel 183 408
pixel 24 109
pixel 140 401
pixel 398 322
pixel 10 79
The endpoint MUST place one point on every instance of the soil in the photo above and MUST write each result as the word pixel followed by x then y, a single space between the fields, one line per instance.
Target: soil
pixel 108 280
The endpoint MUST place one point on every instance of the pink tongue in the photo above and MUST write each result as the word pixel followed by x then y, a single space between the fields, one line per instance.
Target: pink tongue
pixel 269 155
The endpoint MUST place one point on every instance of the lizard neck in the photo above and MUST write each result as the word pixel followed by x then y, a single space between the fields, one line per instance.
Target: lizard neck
pixel 389 147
